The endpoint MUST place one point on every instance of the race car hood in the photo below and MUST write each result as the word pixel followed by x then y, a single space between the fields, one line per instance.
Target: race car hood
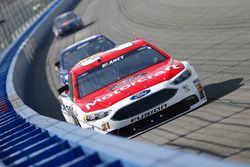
pixel 130 85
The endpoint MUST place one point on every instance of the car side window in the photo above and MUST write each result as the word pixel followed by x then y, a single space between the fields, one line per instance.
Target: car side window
pixel 70 94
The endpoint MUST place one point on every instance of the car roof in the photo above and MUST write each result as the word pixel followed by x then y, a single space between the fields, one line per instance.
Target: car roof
pixel 64 14
pixel 100 58
pixel 75 45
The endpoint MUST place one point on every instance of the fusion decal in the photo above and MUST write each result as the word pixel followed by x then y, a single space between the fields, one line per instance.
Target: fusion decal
pixel 150 112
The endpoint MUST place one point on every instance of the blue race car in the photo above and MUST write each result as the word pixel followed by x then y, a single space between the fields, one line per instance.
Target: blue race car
pixel 66 22
pixel 71 55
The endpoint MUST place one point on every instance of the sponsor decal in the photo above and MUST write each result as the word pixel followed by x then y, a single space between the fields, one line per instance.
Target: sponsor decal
pixel 186 88
pixel 196 81
pixel 87 126
pixel 126 86
pixel 110 62
pixel 199 87
pixel 129 80
pixel 90 128
pixel 140 94
pixel 202 95
pixel 148 113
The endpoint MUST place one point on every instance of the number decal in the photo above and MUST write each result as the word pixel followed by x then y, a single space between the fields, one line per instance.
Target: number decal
pixel 72 114
pixel 105 126
pixel 69 108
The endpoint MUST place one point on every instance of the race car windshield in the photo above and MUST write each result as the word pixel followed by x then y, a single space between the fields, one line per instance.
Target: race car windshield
pixel 85 50
pixel 116 69
pixel 65 17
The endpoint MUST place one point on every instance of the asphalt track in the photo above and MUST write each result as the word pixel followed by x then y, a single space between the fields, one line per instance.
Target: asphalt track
pixel 212 35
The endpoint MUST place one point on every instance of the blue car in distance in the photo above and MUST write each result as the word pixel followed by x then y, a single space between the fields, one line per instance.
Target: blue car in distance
pixel 66 22
pixel 71 55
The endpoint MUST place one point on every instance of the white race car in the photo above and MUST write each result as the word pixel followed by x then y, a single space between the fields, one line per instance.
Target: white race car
pixel 130 87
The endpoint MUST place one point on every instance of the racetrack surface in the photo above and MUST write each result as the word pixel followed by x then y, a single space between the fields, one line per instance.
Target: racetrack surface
pixel 213 35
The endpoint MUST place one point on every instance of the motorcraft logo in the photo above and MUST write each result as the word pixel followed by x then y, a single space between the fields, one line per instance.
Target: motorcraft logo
pixel 124 87
pixel 140 94
pixel 129 80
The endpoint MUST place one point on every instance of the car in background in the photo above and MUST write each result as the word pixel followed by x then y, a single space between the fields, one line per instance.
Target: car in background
pixel 66 22
pixel 131 86
pixel 71 55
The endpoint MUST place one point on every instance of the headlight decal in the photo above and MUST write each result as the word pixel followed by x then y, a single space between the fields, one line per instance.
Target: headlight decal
pixel 96 116
pixel 184 76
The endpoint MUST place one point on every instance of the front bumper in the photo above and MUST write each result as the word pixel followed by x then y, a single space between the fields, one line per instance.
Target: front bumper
pixel 159 118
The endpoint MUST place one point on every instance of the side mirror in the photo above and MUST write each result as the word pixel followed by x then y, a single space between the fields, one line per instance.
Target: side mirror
pixel 57 64
pixel 63 89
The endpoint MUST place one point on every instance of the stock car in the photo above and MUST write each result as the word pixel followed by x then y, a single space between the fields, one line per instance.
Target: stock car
pixel 78 51
pixel 66 22
pixel 128 85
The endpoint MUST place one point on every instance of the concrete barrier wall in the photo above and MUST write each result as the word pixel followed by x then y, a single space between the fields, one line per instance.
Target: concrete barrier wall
pixel 130 153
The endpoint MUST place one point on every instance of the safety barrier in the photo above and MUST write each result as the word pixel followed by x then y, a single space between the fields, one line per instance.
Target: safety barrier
pixel 16 16
pixel 27 138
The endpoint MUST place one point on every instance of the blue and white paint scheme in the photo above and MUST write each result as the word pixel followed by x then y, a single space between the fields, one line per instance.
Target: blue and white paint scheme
pixel 71 55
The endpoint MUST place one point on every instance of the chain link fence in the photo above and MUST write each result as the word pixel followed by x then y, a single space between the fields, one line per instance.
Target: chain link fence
pixel 16 16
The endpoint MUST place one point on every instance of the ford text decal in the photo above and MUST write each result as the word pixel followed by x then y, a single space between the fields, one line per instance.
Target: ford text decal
pixel 140 94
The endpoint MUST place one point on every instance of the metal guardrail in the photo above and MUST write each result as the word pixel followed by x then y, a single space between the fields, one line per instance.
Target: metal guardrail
pixel 16 16
pixel 27 138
